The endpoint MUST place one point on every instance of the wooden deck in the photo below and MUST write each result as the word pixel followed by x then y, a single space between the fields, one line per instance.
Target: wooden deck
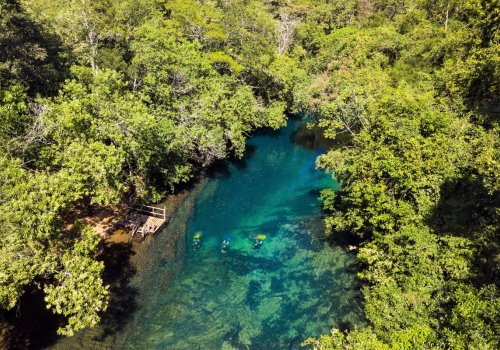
pixel 150 226
pixel 146 220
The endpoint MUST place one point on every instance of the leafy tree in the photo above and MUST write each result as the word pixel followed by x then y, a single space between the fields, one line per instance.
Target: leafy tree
pixel 34 246
pixel 213 111
pixel 98 33
pixel 418 171
pixel 13 113
pixel 109 140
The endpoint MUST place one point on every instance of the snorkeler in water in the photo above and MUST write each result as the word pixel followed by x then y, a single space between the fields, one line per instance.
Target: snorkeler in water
pixel 256 244
pixel 197 240
pixel 258 240
pixel 224 248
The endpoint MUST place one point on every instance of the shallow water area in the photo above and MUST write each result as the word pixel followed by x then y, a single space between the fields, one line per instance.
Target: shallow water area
pixel 292 287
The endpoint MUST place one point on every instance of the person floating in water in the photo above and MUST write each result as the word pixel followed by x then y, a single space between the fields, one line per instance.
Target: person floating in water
pixel 197 240
pixel 259 239
pixel 224 248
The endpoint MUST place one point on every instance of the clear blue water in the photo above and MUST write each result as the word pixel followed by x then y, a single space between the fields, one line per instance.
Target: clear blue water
pixel 294 287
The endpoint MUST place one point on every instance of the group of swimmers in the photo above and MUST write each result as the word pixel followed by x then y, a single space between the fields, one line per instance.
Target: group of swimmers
pixel 226 241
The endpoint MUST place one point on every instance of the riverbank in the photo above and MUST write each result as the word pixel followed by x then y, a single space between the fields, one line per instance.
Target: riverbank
pixel 32 326
pixel 128 265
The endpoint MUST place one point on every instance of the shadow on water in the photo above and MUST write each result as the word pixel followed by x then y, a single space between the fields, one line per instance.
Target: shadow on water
pixel 242 163
pixel 32 326
pixel 315 192
pixel 268 132
pixel 312 137
pixel 118 275
pixel 221 168
pixel 343 239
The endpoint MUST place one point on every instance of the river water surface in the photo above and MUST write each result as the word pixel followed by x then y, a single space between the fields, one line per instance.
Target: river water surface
pixel 294 287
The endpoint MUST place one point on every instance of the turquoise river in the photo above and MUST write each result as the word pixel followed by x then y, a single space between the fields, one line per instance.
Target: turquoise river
pixel 295 286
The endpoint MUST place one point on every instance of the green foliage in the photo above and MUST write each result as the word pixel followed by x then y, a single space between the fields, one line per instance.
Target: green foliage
pixel 78 292
pixel 97 33
pixel 13 113
pixel 155 91
pixel 212 110
pixel 107 138
pixel 412 86
pixel 34 247
pixel 357 339
pixel 474 319
pixel 223 62
pixel 197 20
pixel 160 88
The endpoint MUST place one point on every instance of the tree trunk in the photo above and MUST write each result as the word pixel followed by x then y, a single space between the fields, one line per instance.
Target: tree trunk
pixel 91 36
pixel 447 17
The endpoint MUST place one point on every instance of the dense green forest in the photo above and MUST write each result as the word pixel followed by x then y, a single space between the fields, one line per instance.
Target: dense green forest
pixel 416 86
pixel 106 100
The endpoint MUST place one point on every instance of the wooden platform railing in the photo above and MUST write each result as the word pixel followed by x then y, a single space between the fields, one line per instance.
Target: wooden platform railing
pixel 151 211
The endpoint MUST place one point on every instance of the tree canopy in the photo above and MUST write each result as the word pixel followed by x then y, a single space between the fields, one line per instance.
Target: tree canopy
pixel 102 100
pixel 105 100
pixel 414 85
